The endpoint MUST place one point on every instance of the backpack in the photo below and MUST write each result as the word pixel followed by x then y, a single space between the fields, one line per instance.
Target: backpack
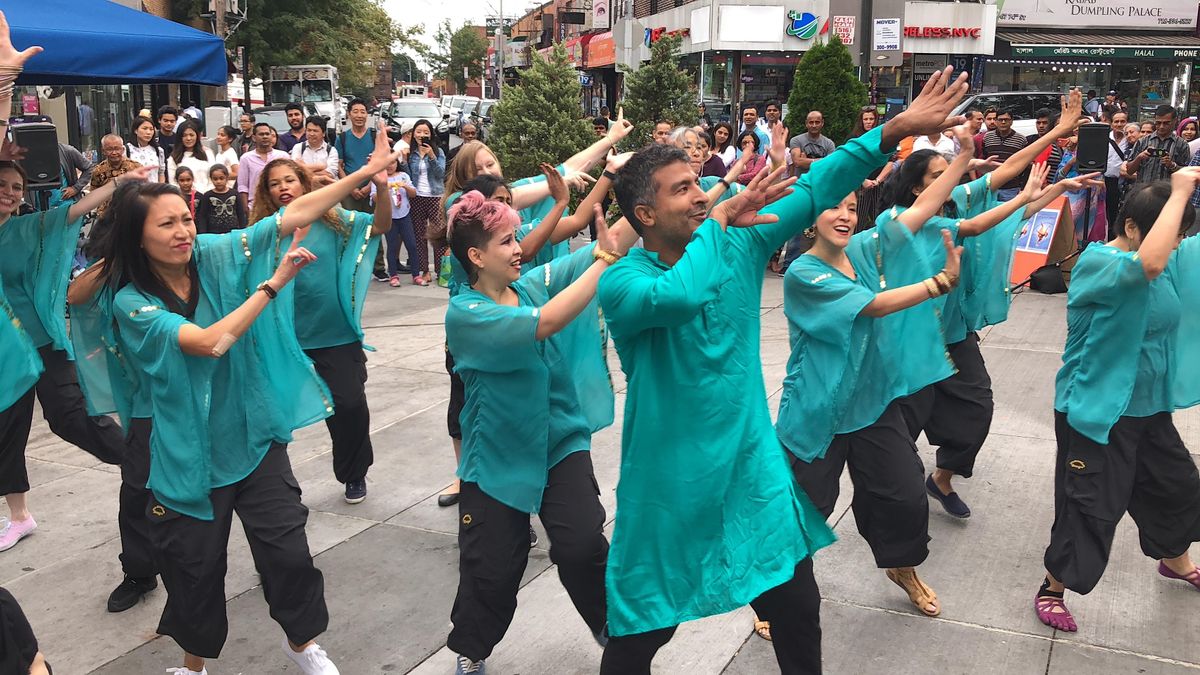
pixel 339 144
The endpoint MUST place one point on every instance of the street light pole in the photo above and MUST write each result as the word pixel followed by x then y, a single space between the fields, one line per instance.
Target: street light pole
pixel 501 43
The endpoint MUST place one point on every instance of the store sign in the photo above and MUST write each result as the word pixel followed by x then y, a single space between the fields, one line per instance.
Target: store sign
pixel 1161 15
pixel 1075 14
pixel 887 35
pixel 942 32
pixel 653 35
pixel 601 51
pixel 600 15
pixel 1111 52
pixel 843 27
pixel 803 25
pixel 949 28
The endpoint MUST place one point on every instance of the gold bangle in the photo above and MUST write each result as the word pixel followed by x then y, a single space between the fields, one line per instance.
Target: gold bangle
pixel 931 287
pixel 950 281
pixel 609 257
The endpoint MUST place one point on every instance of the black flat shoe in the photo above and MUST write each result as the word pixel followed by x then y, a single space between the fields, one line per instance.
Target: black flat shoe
pixel 129 593
pixel 447 499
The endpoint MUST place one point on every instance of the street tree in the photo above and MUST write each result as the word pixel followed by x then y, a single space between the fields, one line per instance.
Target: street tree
pixel 457 50
pixel 658 91
pixel 825 81
pixel 406 69
pixel 540 119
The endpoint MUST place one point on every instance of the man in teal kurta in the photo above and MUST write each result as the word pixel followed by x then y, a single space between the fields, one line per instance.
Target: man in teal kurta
pixel 708 515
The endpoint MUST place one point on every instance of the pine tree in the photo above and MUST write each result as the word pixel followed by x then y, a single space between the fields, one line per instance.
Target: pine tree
pixel 659 90
pixel 539 119
pixel 825 81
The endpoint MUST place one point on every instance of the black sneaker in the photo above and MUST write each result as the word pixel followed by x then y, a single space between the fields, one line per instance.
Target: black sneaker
pixel 380 276
pixel 356 491
pixel 129 593
pixel 404 268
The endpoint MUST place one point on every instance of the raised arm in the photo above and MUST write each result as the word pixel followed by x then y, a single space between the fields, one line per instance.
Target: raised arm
pixel 574 223
pixel 533 242
pixel 103 193
pixel 382 221
pixel 992 217
pixel 587 158
pixel 897 299
pixel 1157 247
pixel 215 340
pixel 569 302
pixel 309 208
pixel 931 200
pixel 1067 121
pixel 1053 191
pixel 84 287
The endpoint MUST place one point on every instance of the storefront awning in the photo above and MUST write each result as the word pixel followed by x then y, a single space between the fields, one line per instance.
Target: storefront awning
pixel 1115 44
pixel 101 42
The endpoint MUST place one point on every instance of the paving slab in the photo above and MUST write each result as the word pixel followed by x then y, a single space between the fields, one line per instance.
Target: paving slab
pixel 1068 659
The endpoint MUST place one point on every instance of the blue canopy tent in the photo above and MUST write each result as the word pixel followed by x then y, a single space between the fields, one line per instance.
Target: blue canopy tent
pixel 101 42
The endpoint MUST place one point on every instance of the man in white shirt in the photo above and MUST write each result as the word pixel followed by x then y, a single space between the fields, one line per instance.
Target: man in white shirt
pixel 1118 147
pixel 319 157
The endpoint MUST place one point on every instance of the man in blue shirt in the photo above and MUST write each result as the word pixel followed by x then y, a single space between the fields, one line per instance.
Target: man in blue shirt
pixel 750 121
pixel 353 146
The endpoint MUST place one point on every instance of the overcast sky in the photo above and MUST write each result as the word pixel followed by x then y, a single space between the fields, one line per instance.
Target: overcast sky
pixel 431 12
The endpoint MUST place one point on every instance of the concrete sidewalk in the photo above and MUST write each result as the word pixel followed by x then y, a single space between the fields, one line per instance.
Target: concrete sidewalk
pixel 390 563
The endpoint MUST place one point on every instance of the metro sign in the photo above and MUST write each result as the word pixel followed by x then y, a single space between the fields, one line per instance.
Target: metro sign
pixel 938 32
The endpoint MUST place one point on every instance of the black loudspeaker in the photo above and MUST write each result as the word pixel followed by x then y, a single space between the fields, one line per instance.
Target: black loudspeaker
pixel 1093 148
pixel 40 141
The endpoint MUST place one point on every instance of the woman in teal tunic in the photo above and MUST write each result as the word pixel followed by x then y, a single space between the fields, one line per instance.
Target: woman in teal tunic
pixel 201 339
pixel 34 271
pixel 509 334
pixel 535 202
pixel 956 413
pixel 331 296
pixel 1130 360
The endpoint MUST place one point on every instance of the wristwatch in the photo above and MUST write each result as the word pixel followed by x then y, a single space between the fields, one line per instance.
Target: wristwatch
pixel 265 287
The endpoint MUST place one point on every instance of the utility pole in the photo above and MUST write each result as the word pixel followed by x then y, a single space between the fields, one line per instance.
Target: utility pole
pixel 501 43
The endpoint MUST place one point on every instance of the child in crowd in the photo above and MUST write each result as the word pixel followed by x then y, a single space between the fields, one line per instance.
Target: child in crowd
pixel 185 179
pixel 401 189
pixel 219 210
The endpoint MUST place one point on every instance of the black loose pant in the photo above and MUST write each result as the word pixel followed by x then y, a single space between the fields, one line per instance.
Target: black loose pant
pixel 1112 199
pixel 793 608
pixel 15 423
pixel 956 413
pixel 193 558
pixel 137 551
pixel 66 412
pixel 1146 470
pixel 891 508
pixel 458 399
pixel 344 369
pixel 493 544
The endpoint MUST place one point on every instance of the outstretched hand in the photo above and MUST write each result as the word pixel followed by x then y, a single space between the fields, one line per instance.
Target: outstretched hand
pixel 620 127
pixel 1037 178
pixel 779 144
pixel 929 113
pixel 605 239
pixel 382 156
pixel 1072 110
pixel 554 180
pixel 1091 180
pixel 742 209
pixel 10 58
pixel 296 259
pixel 11 152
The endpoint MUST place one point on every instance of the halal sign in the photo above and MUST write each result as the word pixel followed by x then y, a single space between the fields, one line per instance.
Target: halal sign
pixel 804 25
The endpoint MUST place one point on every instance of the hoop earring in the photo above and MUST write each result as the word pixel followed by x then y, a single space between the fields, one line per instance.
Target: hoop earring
pixel 810 232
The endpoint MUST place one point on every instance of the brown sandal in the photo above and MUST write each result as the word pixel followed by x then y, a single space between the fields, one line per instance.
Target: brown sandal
pixel 763 629
pixel 919 594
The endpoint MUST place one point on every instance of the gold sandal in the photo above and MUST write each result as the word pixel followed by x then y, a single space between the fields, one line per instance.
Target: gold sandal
pixel 919 594
pixel 763 629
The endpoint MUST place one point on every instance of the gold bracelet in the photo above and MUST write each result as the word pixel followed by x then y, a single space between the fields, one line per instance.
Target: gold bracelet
pixel 931 287
pixel 950 281
pixel 610 257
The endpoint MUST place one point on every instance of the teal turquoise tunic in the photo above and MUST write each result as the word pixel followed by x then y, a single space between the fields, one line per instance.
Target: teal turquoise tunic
pixel 214 419
pixel 846 367
pixel 331 291
pixel 531 216
pixel 1113 311
pixel 529 403
pixel 20 365
pixel 708 513
pixel 35 269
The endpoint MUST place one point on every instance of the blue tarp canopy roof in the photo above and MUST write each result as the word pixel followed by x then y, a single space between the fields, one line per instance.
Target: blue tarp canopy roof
pixel 101 42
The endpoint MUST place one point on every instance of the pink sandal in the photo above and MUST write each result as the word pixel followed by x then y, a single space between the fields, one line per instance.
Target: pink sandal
pixel 1192 577
pixel 1046 606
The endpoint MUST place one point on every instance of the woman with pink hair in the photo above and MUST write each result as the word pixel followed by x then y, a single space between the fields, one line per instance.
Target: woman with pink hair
pixel 506 333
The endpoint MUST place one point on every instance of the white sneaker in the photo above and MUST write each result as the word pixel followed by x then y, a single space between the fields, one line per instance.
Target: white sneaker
pixel 312 661
pixel 185 671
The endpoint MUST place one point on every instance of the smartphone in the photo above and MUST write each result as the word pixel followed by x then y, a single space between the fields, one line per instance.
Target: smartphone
pixel 1157 152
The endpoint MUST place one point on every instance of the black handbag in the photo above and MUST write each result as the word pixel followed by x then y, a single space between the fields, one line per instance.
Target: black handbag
pixel 1048 279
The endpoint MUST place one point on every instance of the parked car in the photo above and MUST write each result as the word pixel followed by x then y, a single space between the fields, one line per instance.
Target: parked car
pixel 403 113
pixel 1022 104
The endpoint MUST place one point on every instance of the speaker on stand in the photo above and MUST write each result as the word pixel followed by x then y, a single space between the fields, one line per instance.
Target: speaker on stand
pixel 1091 156
pixel 41 165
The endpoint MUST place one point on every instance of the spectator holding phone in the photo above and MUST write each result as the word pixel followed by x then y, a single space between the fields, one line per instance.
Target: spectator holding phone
pixel 1158 155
